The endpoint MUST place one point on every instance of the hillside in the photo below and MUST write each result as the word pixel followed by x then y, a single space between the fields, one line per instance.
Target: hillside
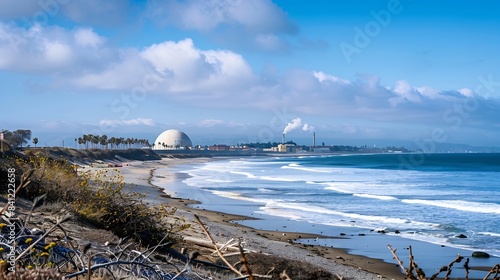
pixel 88 156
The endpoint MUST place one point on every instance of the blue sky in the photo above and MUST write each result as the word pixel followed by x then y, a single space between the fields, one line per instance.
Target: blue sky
pixel 360 72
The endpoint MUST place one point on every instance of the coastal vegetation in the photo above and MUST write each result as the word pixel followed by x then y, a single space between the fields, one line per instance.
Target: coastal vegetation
pixel 104 142
pixel 17 138
pixel 101 199
pixel 21 137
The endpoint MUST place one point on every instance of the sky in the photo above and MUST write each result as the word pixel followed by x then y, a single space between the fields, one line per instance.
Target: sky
pixel 381 72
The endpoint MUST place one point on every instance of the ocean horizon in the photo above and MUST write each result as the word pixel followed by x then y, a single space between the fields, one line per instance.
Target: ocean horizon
pixel 437 200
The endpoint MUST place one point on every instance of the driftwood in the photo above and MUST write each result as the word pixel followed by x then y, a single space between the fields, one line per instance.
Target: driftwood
pixel 244 262
pixel 200 242
pixel 231 245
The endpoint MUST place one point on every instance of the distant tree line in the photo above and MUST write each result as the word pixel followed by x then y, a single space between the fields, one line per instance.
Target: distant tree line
pixel 17 138
pixel 103 142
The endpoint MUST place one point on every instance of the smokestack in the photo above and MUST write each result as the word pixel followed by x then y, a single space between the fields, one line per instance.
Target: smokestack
pixel 283 139
pixel 314 139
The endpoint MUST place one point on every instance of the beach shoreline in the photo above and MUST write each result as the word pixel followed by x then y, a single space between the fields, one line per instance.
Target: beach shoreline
pixel 223 226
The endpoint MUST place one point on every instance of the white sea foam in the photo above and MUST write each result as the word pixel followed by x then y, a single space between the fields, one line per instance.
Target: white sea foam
pixel 380 197
pixel 494 234
pixel 435 238
pixel 219 181
pixel 247 174
pixel 367 220
pixel 280 179
pixel 302 168
pixel 468 206
pixel 338 189
pixel 238 196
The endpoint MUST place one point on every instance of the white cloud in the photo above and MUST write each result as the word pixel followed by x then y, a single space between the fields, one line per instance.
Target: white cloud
pixel 130 122
pixel 50 50
pixel 210 123
pixel 269 42
pixel 467 92
pixel 179 58
pixel 81 60
pixel 322 77
pixel 257 24
pixel 428 92
pixel 191 69
pixel 128 71
pixel 258 16
pixel 57 53
pixel 34 49
pixel 307 127
pixel 405 92
pixel 86 37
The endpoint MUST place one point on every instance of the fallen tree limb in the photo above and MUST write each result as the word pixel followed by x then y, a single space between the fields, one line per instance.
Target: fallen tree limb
pixel 216 247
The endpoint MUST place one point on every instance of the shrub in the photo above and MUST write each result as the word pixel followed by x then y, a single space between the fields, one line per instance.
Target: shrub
pixel 97 197
pixel 104 202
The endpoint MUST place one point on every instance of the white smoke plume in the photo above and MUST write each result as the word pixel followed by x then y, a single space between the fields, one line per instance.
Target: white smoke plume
pixel 307 127
pixel 295 124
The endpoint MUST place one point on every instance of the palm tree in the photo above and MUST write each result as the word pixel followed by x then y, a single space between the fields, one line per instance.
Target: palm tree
pixel 80 141
pixel 35 141
pixel 95 140
pixel 122 140
pixel 103 140
pixel 87 138
pixel 112 141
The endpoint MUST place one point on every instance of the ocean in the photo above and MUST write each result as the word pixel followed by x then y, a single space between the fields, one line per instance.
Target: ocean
pixel 431 198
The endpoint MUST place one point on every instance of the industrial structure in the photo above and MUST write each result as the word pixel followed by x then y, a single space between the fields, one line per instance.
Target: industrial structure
pixel 172 139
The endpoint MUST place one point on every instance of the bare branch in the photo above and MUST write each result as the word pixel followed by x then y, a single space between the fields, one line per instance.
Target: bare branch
pixel 244 261
pixel 215 246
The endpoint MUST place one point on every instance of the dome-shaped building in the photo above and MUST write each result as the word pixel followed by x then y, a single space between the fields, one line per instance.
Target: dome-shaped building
pixel 172 139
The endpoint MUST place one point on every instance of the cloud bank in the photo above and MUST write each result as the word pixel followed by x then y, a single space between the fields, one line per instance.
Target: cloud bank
pixel 81 60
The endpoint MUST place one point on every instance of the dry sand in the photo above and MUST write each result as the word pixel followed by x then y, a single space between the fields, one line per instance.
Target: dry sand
pixel 337 261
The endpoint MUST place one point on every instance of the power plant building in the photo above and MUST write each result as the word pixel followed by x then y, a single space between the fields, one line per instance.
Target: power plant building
pixel 172 139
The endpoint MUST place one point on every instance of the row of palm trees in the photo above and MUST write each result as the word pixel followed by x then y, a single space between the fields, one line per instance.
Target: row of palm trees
pixel 103 142
pixel 165 146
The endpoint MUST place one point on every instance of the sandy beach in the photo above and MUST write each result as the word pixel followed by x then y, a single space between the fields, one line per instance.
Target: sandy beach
pixel 278 243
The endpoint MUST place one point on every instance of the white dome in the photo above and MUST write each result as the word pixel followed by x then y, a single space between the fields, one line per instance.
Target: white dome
pixel 172 139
